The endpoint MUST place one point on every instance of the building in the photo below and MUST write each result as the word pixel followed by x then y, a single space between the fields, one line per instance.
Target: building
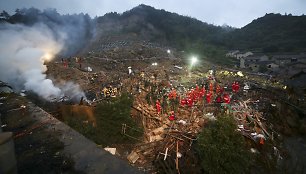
pixel 256 58
pixel 253 67
pixel 243 55
pixel 232 53
pixel 288 58
pixel 254 62
pixel 272 67
pixel 242 63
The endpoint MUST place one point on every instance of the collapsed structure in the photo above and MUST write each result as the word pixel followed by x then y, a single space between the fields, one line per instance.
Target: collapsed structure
pixel 173 106
pixel 173 117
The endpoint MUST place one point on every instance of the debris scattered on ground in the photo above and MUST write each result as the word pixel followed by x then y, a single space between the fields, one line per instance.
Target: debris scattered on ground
pixel 173 105
pixel 111 150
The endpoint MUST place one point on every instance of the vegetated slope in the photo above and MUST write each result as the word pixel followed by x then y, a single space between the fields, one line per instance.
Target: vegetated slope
pixel 270 33
pixel 72 31
pixel 145 23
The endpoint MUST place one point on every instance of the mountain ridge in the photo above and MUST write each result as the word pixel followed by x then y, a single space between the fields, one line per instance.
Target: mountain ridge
pixel 270 33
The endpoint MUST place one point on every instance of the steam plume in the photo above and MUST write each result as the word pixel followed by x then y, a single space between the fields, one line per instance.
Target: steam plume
pixel 24 48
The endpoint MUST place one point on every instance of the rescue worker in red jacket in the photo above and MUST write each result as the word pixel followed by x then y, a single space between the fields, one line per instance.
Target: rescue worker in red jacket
pixel 172 116
pixel 233 86
pixel 202 92
pixel 190 102
pixel 237 86
pixel 219 99
pixel 211 87
pixel 218 89
pixel 226 98
pixel 158 107
pixel 183 102
pixel 208 97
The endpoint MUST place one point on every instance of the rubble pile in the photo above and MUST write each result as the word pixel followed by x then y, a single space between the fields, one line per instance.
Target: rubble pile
pixel 170 132
pixel 173 105
pixel 165 140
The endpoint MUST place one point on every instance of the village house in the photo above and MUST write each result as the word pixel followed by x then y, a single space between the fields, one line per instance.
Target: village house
pixel 253 61
pixel 291 69
pixel 243 55
pixel 254 67
pixel 232 53
pixel 285 64
pixel 273 66
pixel 302 58
pixel 282 60
pixel 297 85
pixel 263 66
pixel 297 65
pixel 256 58
pixel 242 63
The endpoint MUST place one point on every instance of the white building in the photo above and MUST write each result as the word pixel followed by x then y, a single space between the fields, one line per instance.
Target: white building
pixel 232 53
pixel 242 55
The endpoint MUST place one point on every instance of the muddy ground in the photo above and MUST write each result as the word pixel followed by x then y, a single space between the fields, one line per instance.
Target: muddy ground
pixel 288 120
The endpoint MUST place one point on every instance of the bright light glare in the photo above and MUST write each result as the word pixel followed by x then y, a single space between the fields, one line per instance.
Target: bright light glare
pixel 47 57
pixel 193 60
pixel 154 64
pixel 239 73
pixel 168 51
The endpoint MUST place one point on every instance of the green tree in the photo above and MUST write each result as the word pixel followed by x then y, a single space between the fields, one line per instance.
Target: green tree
pixel 110 115
pixel 4 15
pixel 222 149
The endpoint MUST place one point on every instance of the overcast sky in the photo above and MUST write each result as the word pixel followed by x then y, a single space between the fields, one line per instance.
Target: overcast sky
pixel 235 13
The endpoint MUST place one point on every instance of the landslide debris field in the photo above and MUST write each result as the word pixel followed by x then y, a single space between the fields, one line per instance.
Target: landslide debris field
pixel 171 117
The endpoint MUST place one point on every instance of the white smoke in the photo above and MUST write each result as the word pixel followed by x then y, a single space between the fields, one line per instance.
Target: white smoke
pixel 23 51
pixel 72 90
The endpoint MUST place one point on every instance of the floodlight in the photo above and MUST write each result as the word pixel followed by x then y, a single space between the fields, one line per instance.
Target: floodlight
pixel 193 60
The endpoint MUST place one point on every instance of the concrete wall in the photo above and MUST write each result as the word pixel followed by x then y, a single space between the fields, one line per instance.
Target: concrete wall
pixel 7 154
